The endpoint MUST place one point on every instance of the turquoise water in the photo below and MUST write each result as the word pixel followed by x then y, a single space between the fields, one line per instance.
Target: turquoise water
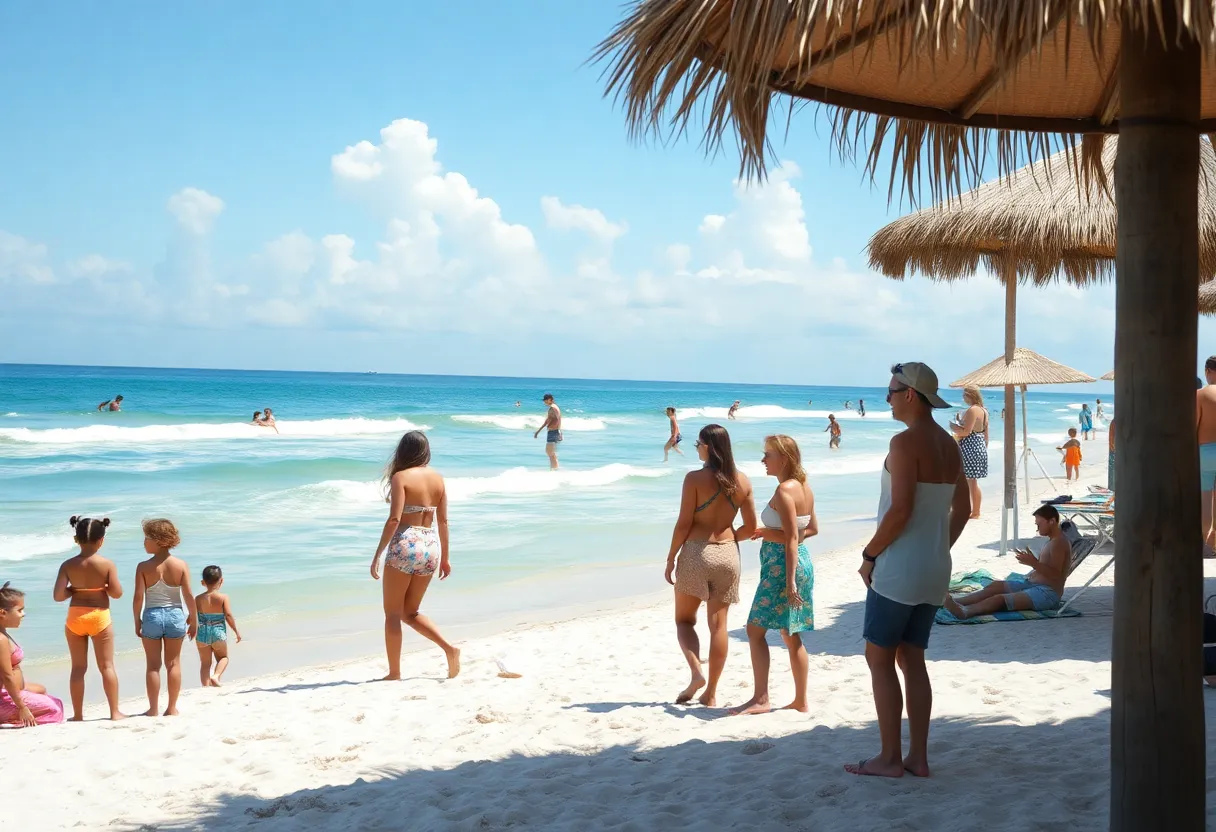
pixel 293 518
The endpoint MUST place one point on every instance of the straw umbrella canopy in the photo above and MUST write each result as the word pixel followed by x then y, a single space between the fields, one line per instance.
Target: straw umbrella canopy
pixel 1109 376
pixel 945 88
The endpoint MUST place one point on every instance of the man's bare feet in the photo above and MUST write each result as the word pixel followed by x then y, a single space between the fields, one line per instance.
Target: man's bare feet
pixel 956 609
pixel 708 699
pixel 917 768
pixel 686 695
pixel 172 712
pixel 873 768
pixel 752 706
pixel 392 677
pixel 801 707
pixel 454 663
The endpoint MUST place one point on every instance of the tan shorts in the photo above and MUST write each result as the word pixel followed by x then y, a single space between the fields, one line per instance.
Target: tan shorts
pixel 709 571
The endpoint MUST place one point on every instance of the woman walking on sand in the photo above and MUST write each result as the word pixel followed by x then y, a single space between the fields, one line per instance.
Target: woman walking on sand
pixel 418 503
pixel 707 544
pixel 787 578
pixel 971 431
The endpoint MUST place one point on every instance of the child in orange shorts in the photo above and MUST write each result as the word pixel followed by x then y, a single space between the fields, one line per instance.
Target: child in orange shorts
pixel 1072 456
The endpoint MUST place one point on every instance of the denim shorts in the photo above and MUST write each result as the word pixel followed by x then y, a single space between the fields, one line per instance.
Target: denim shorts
pixel 163 622
pixel 889 623
pixel 1042 597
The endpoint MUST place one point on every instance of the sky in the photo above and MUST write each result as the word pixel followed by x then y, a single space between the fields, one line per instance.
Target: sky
pixel 439 188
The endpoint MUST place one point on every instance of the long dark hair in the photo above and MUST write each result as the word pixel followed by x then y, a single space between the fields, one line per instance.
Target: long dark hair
pixel 721 459
pixel 413 451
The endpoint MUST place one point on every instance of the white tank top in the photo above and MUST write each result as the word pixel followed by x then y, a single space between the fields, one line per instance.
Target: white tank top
pixel 915 568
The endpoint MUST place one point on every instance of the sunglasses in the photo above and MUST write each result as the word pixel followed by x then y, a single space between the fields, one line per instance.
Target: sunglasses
pixel 891 391
pixel 698 444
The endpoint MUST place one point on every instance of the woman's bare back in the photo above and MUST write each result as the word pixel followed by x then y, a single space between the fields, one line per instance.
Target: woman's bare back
pixel 419 487
pixel 715 519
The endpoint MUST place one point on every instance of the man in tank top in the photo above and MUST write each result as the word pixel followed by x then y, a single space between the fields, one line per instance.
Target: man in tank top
pixel 906 567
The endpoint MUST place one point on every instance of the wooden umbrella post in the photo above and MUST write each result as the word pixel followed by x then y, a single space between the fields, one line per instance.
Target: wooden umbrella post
pixel 1025 446
pixel 1157 737
pixel 1010 277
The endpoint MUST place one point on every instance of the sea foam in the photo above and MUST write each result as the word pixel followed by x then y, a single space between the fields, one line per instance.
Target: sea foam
pixel 774 411
pixel 14 547
pixel 521 421
pixel 219 430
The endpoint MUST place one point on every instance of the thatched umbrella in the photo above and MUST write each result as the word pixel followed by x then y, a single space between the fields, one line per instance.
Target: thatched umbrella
pixel 923 81
pixel 1109 376
pixel 1025 368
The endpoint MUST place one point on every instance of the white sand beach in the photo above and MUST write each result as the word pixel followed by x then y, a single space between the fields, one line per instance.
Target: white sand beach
pixel 587 737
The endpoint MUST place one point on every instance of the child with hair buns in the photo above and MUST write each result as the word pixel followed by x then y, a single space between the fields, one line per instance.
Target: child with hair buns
pixel 88 582
pixel 22 703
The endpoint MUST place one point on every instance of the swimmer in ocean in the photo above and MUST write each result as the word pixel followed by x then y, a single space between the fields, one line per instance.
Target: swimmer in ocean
pixel 114 404
pixel 734 408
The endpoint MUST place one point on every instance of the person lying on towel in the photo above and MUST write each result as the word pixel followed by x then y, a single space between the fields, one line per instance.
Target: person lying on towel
pixel 1042 588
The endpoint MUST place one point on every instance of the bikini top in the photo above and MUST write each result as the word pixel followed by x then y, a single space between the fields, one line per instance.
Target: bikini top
pixel 416 509
pixel 709 502
pixel 17 654
pixel 985 427
pixel 772 520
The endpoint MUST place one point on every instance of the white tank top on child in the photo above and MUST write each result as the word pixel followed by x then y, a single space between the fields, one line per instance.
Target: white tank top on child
pixel 915 568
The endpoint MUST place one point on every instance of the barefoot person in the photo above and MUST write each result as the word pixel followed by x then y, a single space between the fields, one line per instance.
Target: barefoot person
pixel 833 431
pixel 24 704
pixel 783 596
pixel 89 581
pixel 418 502
pixel 734 408
pixel 971 431
pixel 1043 587
pixel 1205 430
pixel 553 426
pixel 1072 456
pixel 160 621
pixel 706 541
pixel 673 441
pixel 214 618
pixel 906 566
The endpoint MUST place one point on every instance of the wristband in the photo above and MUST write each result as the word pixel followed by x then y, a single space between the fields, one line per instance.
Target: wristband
pixel 867 557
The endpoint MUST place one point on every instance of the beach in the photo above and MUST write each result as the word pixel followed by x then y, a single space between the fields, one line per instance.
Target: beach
pixel 587 737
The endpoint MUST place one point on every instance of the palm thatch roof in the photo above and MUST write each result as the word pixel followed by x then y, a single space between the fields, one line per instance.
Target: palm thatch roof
pixel 1037 221
pixel 1109 376
pixel 917 78
pixel 1207 298
pixel 1027 367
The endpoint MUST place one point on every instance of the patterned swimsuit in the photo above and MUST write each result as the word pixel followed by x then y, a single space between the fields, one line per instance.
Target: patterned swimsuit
pixel 414 550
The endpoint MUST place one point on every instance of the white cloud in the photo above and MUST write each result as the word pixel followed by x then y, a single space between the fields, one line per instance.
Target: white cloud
pixel 566 217
pixel 195 210
pixel 291 255
pixel 23 260
pixel 95 265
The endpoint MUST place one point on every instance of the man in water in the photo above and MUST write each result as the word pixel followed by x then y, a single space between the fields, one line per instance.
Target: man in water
pixel 834 427
pixel 1043 587
pixel 268 419
pixel 906 567
pixel 1205 430
pixel 861 407
pixel 553 424
pixel 1099 412
pixel 734 408
pixel 111 404
pixel 673 441
pixel 848 405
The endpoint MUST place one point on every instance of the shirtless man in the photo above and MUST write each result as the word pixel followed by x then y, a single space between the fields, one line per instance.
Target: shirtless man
pixel 553 424
pixel 734 408
pixel 268 420
pixel 1043 587
pixel 114 404
pixel 834 428
pixel 1205 430
pixel 673 441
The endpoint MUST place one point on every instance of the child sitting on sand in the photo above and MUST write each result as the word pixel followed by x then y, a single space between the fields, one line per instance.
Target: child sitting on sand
pixel 1072 456
pixel 214 619
pixel 22 703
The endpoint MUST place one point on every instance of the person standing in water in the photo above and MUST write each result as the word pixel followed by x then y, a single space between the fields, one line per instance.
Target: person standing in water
pixel 734 408
pixel 113 405
pixel 707 543
pixel 787 578
pixel 416 534
pixel 861 407
pixel 924 507
pixel 1099 411
pixel 553 426
pixel 833 429
pixel 673 441
pixel 1087 422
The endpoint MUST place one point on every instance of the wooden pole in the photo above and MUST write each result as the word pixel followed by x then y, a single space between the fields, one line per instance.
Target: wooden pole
pixel 1025 446
pixel 1011 460
pixel 1157 714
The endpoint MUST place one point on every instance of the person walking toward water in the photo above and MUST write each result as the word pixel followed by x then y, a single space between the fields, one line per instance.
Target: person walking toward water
pixel 673 441
pixel 214 618
pixel 22 703
pixel 924 507
pixel 416 534
pixel 787 578
pixel 833 429
pixel 971 431
pixel 88 582
pixel 1205 430
pixel 113 405
pixel 160 621
pixel 1072 456
pixel 1087 422
pixel 553 424
pixel 706 541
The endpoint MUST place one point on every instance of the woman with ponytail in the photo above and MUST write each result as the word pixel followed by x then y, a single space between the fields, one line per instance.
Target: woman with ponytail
pixel 707 543
pixel 88 581
pixel 783 596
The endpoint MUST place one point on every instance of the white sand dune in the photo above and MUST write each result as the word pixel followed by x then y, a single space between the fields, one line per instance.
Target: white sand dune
pixel 587 737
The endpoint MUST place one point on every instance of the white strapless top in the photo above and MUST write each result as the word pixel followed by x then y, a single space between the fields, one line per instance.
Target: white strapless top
pixel 772 520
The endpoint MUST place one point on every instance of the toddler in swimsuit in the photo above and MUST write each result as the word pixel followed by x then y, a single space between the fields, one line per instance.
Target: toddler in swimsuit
pixel 214 619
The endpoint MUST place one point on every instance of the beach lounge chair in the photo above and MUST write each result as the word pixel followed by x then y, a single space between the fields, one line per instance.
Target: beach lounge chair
pixel 1081 547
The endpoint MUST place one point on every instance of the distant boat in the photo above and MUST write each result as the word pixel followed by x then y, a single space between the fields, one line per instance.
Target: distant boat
pixel 371 372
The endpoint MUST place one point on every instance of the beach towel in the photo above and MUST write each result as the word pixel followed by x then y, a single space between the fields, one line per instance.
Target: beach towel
pixel 973 582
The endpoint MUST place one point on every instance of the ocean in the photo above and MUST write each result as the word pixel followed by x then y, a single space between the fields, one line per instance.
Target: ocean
pixel 293 518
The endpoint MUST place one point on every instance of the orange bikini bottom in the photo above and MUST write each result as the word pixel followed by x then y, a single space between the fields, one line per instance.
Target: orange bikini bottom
pixel 87 621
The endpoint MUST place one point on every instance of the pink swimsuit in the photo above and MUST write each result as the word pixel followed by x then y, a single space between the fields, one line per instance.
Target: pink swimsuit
pixel 46 709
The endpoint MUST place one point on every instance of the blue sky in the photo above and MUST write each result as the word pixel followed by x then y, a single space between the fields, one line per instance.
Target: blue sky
pixel 434 187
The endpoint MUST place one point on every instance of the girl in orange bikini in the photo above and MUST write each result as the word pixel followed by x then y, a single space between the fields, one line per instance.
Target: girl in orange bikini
pixel 89 581
pixel 1072 456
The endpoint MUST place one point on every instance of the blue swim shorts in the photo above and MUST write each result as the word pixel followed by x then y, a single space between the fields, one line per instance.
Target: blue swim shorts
pixel 553 437
pixel 889 623
pixel 1042 597
pixel 1207 467
pixel 163 622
